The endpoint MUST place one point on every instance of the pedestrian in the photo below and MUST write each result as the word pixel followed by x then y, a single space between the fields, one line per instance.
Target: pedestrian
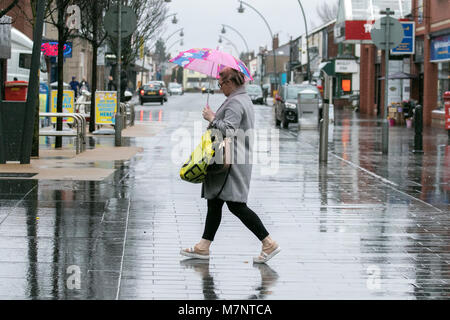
pixel 232 187
pixel 123 84
pixel 111 84
pixel 74 84
pixel 265 93
pixel 84 85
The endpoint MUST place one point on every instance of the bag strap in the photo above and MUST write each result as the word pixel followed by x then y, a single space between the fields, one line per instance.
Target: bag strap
pixel 226 178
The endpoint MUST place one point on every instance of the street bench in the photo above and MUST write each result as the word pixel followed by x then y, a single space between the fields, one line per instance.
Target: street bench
pixel 79 124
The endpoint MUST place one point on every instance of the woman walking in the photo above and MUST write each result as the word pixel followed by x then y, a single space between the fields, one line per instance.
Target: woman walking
pixel 232 187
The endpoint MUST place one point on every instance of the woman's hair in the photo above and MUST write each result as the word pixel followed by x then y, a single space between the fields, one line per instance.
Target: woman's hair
pixel 233 75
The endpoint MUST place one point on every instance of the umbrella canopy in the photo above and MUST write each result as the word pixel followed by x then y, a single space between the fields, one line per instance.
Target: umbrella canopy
pixel 210 62
pixel 399 75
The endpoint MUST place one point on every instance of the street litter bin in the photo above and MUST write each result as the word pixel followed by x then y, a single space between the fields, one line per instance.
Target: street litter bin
pixel 308 108
pixel 16 90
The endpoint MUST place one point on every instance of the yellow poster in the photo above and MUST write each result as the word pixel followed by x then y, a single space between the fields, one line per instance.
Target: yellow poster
pixel 68 104
pixel 105 107
pixel 42 102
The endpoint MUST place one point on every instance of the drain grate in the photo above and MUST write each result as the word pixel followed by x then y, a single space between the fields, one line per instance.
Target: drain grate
pixel 16 175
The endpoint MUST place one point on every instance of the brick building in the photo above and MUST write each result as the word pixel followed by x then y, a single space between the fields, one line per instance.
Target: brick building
pixel 18 15
pixel 432 58
pixel 428 65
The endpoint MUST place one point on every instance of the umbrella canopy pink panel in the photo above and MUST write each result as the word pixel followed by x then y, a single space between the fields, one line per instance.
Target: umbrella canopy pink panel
pixel 210 62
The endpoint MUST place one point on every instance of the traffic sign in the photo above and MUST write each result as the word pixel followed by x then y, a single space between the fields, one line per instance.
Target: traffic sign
pixel 129 21
pixel 378 33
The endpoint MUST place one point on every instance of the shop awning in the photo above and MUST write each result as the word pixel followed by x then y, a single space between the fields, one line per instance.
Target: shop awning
pixel 327 67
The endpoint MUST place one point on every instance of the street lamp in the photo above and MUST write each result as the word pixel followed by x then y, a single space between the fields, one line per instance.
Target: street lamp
pixel 241 10
pixel 174 20
pixel 181 34
pixel 223 31
pixel 307 44
pixel 179 40
pixel 234 46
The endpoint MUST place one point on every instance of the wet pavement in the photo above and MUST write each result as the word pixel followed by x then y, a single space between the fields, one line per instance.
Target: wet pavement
pixel 365 226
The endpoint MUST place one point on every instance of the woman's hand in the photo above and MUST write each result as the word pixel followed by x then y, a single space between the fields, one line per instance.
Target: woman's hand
pixel 208 114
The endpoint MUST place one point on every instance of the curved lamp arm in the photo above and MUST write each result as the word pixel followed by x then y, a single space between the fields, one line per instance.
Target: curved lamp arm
pixel 242 37
pixel 241 9
pixel 234 46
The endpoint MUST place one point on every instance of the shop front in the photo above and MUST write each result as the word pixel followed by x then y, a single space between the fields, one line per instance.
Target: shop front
pixel 440 55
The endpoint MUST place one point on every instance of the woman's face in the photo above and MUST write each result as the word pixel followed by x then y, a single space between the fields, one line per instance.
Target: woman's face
pixel 226 86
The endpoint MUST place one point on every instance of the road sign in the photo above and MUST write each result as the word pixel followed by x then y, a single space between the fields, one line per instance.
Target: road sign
pixel 129 21
pixel 378 33
pixel 407 46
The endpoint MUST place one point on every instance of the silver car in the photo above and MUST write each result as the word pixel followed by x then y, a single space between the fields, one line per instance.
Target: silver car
pixel 255 92
pixel 175 88
pixel 286 104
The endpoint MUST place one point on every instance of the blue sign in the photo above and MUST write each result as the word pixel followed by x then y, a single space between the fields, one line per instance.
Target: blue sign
pixel 407 44
pixel 440 49
pixel 283 78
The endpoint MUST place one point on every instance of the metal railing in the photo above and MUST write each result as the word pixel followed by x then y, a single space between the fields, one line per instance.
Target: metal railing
pixel 79 124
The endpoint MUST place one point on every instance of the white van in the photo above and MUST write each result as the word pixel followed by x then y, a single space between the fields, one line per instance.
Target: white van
pixel 19 64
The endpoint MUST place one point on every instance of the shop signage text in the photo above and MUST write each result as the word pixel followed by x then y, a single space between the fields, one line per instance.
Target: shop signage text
pixel 346 66
pixel 407 45
pixel 440 49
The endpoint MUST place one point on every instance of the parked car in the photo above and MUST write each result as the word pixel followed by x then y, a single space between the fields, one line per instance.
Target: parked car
pixel 163 87
pixel 207 88
pixel 255 92
pixel 151 92
pixel 286 103
pixel 175 88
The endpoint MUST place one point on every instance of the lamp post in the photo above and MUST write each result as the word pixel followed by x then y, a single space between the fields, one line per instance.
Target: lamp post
pixel 307 44
pixel 174 20
pixel 223 31
pixel 181 34
pixel 170 47
pixel 241 10
pixel 234 46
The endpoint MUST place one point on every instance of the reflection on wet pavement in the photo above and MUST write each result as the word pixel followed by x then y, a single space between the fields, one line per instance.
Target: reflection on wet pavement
pixel 363 227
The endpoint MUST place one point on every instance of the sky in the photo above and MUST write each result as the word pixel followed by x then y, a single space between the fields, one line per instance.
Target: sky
pixel 202 22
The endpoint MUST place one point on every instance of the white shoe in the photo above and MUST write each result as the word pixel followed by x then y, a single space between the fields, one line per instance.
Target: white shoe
pixel 194 253
pixel 264 257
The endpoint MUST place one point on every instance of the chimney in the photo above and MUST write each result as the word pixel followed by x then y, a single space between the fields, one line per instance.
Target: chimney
pixel 275 44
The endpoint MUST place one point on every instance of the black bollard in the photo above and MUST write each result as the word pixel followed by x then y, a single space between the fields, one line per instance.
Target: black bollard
pixel 418 129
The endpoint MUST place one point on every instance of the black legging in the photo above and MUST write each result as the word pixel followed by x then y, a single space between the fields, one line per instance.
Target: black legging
pixel 240 210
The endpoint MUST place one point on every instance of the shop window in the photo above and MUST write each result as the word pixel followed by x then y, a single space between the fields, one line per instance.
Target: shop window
pixel 443 82
pixel 419 50
pixel 346 85
pixel 25 60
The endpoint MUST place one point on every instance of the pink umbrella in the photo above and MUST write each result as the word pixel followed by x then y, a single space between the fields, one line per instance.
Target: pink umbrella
pixel 210 62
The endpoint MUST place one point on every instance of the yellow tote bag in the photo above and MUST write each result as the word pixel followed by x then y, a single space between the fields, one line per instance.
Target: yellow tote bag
pixel 194 170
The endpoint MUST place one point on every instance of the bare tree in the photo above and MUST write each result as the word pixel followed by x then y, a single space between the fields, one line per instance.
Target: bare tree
pixel 327 11
pixel 92 30
pixel 11 5
pixel 57 17
pixel 150 18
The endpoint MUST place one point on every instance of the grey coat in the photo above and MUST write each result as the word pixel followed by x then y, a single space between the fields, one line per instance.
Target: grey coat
pixel 235 113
